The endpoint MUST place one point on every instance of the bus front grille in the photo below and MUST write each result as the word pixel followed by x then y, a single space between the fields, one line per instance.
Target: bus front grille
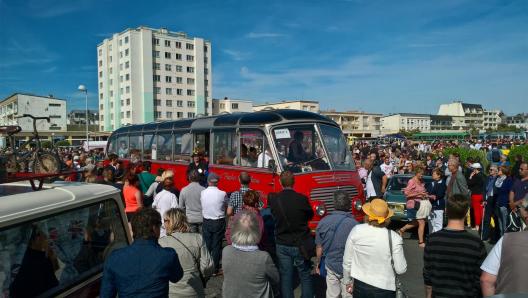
pixel 326 194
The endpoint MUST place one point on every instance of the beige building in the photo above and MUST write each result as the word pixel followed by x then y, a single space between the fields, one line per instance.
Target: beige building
pixel 356 124
pixel 405 121
pixel 492 119
pixel 304 105
pixel 473 114
pixel 229 105
pixel 149 74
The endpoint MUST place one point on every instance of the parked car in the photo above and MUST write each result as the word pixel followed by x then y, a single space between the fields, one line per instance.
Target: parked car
pixel 60 236
pixel 395 197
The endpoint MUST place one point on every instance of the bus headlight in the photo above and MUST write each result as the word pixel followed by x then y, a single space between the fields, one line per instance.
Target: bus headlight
pixel 358 205
pixel 320 210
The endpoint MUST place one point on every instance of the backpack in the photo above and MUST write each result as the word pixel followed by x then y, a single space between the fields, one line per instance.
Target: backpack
pixel 514 222
pixel 495 155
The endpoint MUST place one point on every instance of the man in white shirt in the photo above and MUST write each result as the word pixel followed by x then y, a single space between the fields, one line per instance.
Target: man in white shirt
pixel 264 158
pixel 164 201
pixel 213 202
pixel 387 167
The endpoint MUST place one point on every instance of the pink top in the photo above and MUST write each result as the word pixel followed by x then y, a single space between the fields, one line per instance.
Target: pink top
pixel 414 189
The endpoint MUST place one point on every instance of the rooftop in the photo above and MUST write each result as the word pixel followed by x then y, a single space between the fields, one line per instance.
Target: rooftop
pixel 285 101
pixel 30 94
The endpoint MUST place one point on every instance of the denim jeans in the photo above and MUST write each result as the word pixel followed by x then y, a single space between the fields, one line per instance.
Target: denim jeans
pixel 502 214
pixel 213 233
pixel 289 258
pixel 363 290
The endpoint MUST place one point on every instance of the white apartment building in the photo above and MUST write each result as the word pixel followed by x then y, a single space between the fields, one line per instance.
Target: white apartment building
pixel 519 120
pixel 230 105
pixel 405 121
pixel 473 114
pixel 149 74
pixel 356 124
pixel 38 106
pixel 492 119
pixel 304 105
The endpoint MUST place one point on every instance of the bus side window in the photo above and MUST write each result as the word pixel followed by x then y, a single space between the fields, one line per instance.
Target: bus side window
pixel 60 250
pixel 136 147
pixel 112 145
pixel 148 142
pixel 225 148
pixel 201 143
pixel 182 147
pixel 164 148
pixel 122 151
pixel 251 147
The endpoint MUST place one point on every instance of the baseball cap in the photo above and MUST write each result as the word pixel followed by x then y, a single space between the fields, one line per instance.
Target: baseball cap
pixel 476 166
pixel 213 178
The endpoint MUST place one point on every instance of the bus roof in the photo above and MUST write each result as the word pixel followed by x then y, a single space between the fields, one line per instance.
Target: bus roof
pixel 236 119
pixel 18 200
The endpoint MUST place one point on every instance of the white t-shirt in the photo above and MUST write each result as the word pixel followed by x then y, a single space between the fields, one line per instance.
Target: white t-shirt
pixel 213 203
pixel 263 160
pixel 387 169
pixel 492 262
pixel 371 192
pixel 164 201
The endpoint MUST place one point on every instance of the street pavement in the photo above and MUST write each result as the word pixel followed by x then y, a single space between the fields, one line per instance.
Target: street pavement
pixel 412 280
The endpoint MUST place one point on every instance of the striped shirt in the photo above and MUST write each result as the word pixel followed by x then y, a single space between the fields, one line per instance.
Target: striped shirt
pixel 452 262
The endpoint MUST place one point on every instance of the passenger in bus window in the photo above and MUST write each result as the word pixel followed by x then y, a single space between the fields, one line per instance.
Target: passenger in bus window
pixel 264 158
pixel 123 150
pixel 296 151
pixel 244 157
pixel 252 157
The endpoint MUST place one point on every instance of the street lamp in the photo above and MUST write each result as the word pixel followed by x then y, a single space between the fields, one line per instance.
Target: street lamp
pixel 82 88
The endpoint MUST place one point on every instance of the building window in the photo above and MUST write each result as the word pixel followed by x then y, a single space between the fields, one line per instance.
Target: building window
pixel 179 91
pixel 190 104
pixel 169 115
pixel 190 92
pixel 179 103
pixel 178 56
pixel 168 79
pixel 122 114
pixel 167 43
pixel 126 39
pixel 100 95
pixel 167 55
pixel 156 66
pixel 100 63
pixel 100 74
pixel 155 41
pixel 205 48
pixel 190 115
pixel 157 78
pixel 100 52
pixel 111 82
pixel 126 53
pixel 157 102
pixel 206 60
pixel 190 69
pixel 128 101
pixel 206 93
pixel 111 93
pixel 111 104
pixel 234 106
pixel 167 67
pixel 120 54
pixel 120 66
pixel 120 42
pixel 128 114
pixel 127 77
pixel 190 81
pixel 156 54
pixel 189 46
pixel 127 89
pixel 179 114
pixel 111 70
pixel 179 68
pixel 206 71
pixel 179 80
pixel 110 58
pixel 157 90
pixel 190 58
pixel 222 106
pixel 158 114
pixel 178 44
pixel 168 103
pixel 168 91
pixel 127 64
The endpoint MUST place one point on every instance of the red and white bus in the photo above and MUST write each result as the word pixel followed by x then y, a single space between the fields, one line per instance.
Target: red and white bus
pixel 260 143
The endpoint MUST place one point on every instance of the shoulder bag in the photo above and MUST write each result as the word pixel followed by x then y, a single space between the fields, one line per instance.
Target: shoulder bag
pixel 307 245
pixel 399 290
pixel 202 277
pixel 322 263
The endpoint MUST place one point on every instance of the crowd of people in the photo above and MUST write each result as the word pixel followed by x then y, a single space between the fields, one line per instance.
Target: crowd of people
pixel 178 233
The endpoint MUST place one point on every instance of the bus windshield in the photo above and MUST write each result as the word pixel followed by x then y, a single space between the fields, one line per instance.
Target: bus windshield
pixel 337 148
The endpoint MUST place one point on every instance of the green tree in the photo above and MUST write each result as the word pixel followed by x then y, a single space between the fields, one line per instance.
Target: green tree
pixel 62 143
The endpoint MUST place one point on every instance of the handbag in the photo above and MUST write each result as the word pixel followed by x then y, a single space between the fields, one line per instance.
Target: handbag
pixel 202 277
pixel 322 263
pixel 413 204
pixel 399 289
pixel 514 222
pixel 307 245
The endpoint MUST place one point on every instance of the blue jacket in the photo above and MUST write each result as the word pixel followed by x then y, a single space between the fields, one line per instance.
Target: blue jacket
pixel 142 269
pixel 437 188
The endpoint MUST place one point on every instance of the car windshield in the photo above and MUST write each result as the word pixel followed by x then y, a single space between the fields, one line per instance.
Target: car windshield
pixel 400 182
pixel 337 148
pixel 300 148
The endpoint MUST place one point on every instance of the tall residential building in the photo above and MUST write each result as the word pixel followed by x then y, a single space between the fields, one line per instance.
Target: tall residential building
pixel 149 74
pixel 406 121
pixel 473 114
pixel 230 105
pixel 356 124
pixel 305 105
pixel 38 106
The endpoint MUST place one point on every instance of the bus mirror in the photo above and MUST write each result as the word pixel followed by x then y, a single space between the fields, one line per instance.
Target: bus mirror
pixel 272 165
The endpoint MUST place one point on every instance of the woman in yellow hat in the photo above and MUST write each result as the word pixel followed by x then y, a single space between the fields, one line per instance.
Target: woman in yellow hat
pixel 367 268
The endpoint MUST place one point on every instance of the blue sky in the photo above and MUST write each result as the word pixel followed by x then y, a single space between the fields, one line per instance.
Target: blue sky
pixel 377 56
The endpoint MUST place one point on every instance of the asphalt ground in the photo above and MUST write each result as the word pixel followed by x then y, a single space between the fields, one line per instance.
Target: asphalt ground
pixel 412 280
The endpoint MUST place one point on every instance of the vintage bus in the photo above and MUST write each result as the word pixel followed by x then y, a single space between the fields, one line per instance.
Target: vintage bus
pixel 258 143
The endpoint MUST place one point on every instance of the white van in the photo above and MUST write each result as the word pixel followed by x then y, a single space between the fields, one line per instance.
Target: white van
pixel 53 242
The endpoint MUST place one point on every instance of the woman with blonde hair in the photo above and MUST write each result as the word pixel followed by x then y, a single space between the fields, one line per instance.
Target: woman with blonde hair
pixel 418 205
pixel 194 257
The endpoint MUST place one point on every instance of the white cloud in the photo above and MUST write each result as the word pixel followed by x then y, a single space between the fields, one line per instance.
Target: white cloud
pixel 264 35
pixel 236 55
pixel 55 8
